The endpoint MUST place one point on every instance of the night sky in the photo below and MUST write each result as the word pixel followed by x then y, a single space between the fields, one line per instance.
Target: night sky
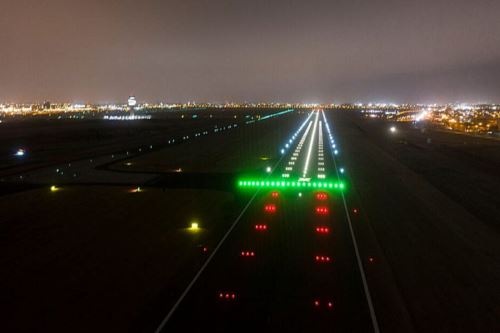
pixel 251 50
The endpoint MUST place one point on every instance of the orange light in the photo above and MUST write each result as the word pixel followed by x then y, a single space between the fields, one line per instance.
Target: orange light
pixel 275 194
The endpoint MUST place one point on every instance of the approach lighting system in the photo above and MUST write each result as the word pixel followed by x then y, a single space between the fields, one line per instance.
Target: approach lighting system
pixel 270 208
pixel 278 183
pixel 322 210
pixel 322 230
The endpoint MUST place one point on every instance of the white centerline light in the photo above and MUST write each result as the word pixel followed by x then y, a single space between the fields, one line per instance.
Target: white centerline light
pixel 298 148
pixel 306 165
pixel 320 149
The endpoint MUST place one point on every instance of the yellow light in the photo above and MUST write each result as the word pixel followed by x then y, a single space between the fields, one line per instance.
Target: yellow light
pixel 53 188
pixel 194 226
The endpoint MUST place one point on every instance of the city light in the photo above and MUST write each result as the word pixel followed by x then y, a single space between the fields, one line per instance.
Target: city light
pixel 20 152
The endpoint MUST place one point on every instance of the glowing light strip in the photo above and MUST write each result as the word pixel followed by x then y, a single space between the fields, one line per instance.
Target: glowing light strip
pixel 332 142
pixel 306 166
pixel 278 183
pixel 299 145
pixel 320 149
pixel 272 115
pixel 290 141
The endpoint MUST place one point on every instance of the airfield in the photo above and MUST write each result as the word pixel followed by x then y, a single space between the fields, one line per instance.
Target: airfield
pixel 98 234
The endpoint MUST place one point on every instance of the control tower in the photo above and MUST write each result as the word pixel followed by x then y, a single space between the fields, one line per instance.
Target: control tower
pixel 131 105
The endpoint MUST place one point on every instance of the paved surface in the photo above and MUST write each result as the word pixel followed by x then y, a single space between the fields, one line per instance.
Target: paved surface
pixel 289 277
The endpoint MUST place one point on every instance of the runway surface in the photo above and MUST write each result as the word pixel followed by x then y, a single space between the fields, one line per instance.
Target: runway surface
pixel 289 264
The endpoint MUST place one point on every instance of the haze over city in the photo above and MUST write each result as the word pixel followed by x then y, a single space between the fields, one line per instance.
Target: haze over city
pixel 429 51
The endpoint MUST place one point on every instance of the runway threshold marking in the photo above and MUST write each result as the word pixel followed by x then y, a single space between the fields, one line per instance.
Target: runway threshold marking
pixel 209 259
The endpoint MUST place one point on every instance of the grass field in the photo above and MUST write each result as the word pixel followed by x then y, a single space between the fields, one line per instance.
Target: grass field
pixel 82 258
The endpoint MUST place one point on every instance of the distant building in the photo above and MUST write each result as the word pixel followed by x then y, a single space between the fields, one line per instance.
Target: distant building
pixel 46 105
pixel 132 102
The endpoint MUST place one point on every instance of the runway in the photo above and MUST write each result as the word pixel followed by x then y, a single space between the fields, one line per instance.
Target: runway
pixel 289 264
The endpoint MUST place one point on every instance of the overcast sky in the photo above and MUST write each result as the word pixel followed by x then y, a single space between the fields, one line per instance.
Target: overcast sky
pixel 250 50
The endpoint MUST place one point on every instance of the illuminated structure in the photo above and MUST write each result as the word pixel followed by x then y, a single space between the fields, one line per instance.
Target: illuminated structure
pixel 131 105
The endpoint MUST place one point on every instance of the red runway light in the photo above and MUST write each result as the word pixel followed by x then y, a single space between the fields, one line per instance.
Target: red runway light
pixel 355 210
pixel 322 230
pixel 275 194
pixel 247 254
pixel 322 210
pixel 329 304
pixel 321 196
pixel 371 260
pixel 227 295
pixel 260 227
pixel 270 208
pixel 322 258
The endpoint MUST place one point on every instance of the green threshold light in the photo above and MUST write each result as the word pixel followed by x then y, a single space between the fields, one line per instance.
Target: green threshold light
pixel 256 183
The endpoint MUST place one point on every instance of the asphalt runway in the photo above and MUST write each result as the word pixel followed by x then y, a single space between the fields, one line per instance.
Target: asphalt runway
pixel 279 270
